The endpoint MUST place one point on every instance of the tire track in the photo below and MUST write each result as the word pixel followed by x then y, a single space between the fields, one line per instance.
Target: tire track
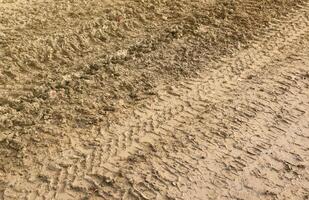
pixel 216 141
pixel 34 110
pixel 159 120
pixel 249 154
pixel 233 162
pixel 193 87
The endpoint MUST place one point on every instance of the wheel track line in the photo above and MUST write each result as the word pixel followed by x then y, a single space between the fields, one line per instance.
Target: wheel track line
pixel 286 120
pixel 278 111
pixel 289 184
pixel 191 93
pixel 268 149
pixel 302 30
pixel 246 108
pixel 304 24
pixel 255 166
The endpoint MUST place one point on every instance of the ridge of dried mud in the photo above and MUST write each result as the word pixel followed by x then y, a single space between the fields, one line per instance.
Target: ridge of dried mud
pixel 68 69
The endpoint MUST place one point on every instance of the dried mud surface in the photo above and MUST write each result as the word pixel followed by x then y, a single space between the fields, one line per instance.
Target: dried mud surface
pixel 154 99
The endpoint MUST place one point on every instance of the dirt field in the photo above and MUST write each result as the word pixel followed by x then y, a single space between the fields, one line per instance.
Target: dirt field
pixel 154 99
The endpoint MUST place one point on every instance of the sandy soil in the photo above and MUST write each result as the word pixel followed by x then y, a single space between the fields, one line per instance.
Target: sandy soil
pixel 154 99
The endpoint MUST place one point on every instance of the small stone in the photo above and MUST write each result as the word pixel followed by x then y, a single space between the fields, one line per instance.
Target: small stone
pixel 52 94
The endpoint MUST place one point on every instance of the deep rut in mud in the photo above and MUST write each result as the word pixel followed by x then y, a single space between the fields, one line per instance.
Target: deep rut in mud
pixel 237 129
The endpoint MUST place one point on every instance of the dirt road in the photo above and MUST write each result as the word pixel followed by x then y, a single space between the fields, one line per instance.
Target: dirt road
pixel 154 100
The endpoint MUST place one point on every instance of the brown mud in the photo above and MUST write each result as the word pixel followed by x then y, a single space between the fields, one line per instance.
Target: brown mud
pixel 154 99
